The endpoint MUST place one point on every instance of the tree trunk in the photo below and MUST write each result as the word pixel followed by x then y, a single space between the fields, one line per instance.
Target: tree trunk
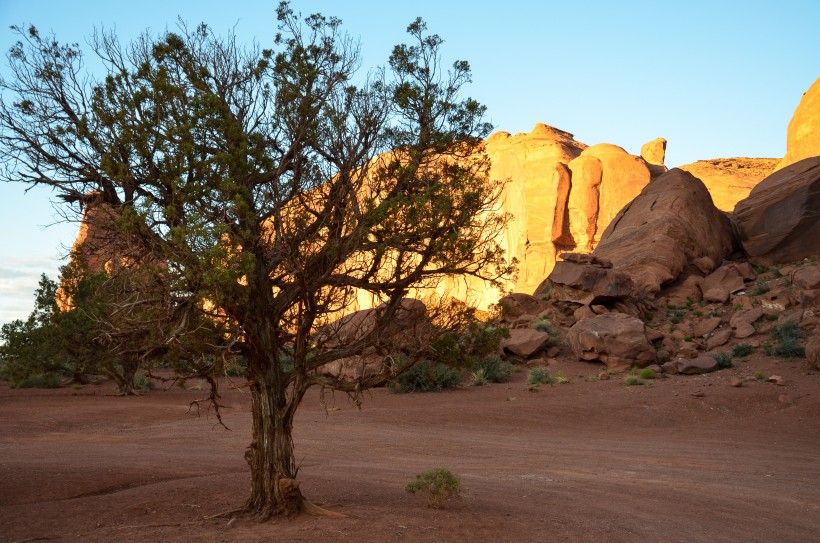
pixel 274 490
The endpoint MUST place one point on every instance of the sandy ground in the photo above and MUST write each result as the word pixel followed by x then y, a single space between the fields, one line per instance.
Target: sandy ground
pixel 686 459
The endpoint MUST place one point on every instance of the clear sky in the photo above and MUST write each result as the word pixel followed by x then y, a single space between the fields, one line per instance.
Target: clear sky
pixel 716 78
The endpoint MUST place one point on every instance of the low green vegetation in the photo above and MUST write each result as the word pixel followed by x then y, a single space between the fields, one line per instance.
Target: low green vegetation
pixel 435 486
pixel 632 381
pixel 742 350
pixel 724 360
pixel 787 337
pixel 539 376
pixel 493 369
pixel 647 373
pixel 427 376
pixel 760 376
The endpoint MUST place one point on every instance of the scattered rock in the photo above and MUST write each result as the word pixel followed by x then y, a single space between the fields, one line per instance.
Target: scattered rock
pixel 587 283
pixel 525 342
pixel 721 283
pixel 705 327
pixel 603 376
pixel 776 379
pixel 518 304
pixel 616 339
pixel 696 366
pixel 721 337
pixel 698 394
pixel 736 382
pixel 813 350
pixel 807 278
pixel 744 330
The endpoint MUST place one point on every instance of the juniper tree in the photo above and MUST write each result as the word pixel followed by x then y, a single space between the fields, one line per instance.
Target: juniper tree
pixel 278 185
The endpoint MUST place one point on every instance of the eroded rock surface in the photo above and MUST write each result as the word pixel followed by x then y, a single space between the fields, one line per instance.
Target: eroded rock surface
pixel 616 339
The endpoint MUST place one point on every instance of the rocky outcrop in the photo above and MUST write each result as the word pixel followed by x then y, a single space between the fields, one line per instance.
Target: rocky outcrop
pixel 803 135
pixel 654 152
pixel 561 193
pixel 670 226
pixel 729 180
pixel 778 222
pixel 616 339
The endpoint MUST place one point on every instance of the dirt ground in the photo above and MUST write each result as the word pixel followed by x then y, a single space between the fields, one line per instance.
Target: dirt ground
pixel 689 458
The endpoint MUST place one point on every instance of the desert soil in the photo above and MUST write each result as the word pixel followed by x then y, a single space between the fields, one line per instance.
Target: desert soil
pixel 689 458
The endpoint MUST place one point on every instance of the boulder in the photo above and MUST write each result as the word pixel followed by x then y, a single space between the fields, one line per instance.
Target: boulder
pixel 718 285
pixel 409 328
pixel 587 283
pixel 616 339
pixel 654 153
pixel 696 366
pixel 706 326
pixel 777 223
pixel 813 350
pixel 518 304
pixel 660 233
pixel 719 338
pixel 525 342
pixel 806 278
pixel 803 136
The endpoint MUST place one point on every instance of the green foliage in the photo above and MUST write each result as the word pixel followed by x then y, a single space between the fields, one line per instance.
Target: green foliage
pixel 675 319
pixel 760 376
pixel 647 373
pixel 427 376
pixel 539 376
pixel 493 369
pixel 39 380
pixel 479 377
pixel 436 486
pixel 742 350
pixel 788 336
pixel 560 379
pixel 761 289
pixel 543 324
pixel 632 381
pixel 470 347
pixel 724 360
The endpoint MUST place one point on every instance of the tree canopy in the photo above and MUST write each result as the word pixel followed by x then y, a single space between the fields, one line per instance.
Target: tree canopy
pixel 277 187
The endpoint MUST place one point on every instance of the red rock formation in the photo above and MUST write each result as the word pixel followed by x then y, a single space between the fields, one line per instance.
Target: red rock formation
pixel 778 222
pixel 730 180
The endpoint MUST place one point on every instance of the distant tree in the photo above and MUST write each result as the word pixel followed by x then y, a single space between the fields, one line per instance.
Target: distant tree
pixel 274 188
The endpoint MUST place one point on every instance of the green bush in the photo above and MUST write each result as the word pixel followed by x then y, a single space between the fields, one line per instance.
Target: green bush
pixel 543 324
pixel 39 380
pixel 495 370
pixel 724 360
pixel 479 377
pixel 790 348
pixel 539 376
pixel 742 350
pixel 787 335
pixel 760 376
pixel 631 381
pixel 142 382
pixel 427 376
pixel 786 331
pixel 647 373
pixel 436 486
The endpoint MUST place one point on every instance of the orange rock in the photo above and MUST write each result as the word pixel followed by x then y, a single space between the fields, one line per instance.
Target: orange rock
pixel 803 136
pixel 730 180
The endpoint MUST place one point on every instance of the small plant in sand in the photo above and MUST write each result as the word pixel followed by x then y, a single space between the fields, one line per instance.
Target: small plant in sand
pixel 760 376
pixel 724 360
pixel 435 486
pixel 479 377
pixel 647 373
pixel 560 378
pixel 632 381
pixel 539 376
pixel 742 350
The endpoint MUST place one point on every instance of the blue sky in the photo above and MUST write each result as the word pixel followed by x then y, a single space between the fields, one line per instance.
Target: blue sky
pixel 715 78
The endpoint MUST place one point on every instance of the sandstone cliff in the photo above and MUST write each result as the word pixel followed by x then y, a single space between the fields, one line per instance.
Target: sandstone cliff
pixel 730 180
pixel 803 136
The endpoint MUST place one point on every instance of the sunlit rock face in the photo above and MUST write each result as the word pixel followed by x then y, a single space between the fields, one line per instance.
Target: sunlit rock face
pixel 803 136
pixel 730 180
pixel 562 195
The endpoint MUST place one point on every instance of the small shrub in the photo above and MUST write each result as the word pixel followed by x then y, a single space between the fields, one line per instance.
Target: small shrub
pixel 142 382
pixel 786 331
pixel 544 325
pixel 689 302
pixel 427 376
pixel 647 373
pixel 760 270
pixel 560 379
pixel 236 369
pixel 675 319
pixel 39 380
pixel 539 376
pixel 479 377
pixel 742 350
pixel 761 289
pixel 632 381
pixel 768 349
pixel 790 348
pixel 760 376
pixel 494 368
pixel 697 313
pixel 436 486
pixel 687 337
pixel 648 316
pixel 724 360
